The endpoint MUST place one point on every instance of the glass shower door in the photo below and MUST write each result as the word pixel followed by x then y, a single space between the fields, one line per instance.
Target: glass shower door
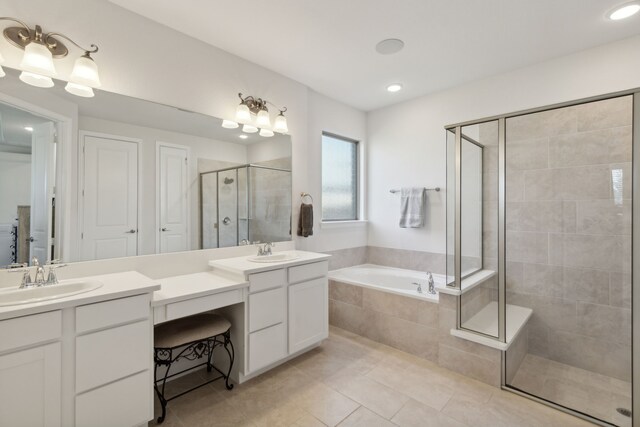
pixel 568 257
pixel 228 208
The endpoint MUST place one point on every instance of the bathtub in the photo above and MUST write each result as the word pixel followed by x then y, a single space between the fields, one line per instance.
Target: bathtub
pixel 388 279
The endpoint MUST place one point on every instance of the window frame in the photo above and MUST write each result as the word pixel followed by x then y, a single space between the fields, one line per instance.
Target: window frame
pixel 358 170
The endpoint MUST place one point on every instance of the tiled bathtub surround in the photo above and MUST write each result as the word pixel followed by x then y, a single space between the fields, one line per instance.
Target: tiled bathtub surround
pixel 569 232
pixel 389 257
pixel 418 327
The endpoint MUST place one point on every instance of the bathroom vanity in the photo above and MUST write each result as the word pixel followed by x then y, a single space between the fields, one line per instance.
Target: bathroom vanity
pixel 86 359
pixel 74 358
pixel 278 309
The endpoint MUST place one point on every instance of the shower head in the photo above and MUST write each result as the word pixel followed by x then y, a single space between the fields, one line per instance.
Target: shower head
pixel 228 181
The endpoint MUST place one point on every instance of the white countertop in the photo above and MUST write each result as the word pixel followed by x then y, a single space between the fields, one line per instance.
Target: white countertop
pixel 116 285
pixel 242 266
pixel 180 288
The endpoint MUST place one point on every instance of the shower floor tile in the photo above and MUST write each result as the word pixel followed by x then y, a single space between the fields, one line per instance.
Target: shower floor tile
pixel 575 388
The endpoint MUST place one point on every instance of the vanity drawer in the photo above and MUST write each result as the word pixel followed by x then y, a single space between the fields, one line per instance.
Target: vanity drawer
pixel 105 356
pixel 267 346
pixel 191 306
pixel 267 280
pixel 301 273
pixel 113 312
pixel 266 308
pixel 28 330
pixel 123 403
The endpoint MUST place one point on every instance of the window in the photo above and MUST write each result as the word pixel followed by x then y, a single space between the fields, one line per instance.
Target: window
pixel 339 178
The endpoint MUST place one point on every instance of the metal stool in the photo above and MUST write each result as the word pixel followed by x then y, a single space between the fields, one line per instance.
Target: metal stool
pixel 199 335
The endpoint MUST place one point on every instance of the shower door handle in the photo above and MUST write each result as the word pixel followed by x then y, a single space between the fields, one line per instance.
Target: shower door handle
pixel 226 220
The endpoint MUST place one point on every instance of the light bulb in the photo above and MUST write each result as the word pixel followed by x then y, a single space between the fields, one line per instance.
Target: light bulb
pixel 249 129
pixel 280 124
pixel 263 120
pixel 266 133
pixel 36 80
pixel 37 59
pixel 79 90
pixel 229 124
pixel 85 72
pixel 243 115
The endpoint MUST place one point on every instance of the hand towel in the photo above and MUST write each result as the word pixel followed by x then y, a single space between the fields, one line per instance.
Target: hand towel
pixel 305 222
pixel 412 207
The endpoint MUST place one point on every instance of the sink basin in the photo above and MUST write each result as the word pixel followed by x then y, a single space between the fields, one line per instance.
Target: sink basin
pixel 274 258
pixel 63 289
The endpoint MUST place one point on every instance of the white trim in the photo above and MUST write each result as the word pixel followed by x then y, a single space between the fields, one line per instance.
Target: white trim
pixel 342 224
pixel 81 136
pixel 157 165
pixel 64 142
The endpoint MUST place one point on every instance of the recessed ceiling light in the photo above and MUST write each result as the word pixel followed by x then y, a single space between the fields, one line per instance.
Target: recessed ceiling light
pixel 624 11
pixel 389 46
pixel 395 87
pixel 243 136
pixel 28 128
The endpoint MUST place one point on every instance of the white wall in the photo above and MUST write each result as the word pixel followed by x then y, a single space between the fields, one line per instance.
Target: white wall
pixel 328 115
pixel 406 141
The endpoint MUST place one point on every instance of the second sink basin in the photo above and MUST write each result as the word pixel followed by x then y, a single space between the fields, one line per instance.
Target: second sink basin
pixel 15 296
pixel 282 257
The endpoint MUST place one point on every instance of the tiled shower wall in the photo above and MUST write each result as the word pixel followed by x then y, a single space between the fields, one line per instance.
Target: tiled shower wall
pixel 568 232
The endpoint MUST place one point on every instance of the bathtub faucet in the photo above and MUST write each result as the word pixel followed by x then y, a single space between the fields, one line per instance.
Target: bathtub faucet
pixel 432 287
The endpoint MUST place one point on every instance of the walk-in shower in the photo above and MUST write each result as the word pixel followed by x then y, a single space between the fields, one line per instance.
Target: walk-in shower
pixel 539 244
pixel 250 203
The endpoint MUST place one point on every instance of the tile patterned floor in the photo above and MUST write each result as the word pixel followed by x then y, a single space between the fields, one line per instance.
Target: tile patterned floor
pixel 579 389
pixel 351 381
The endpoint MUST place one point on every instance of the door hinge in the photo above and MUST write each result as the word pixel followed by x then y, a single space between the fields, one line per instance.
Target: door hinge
pixel 82 235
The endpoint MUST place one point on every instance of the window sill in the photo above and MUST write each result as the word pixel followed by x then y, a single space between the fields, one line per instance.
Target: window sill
pixel 340 224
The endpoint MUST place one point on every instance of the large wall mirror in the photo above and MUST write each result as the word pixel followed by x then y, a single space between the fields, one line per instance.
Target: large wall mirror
pixel 113 176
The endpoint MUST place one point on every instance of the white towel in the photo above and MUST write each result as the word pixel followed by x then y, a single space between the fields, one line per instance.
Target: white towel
pixel 412 207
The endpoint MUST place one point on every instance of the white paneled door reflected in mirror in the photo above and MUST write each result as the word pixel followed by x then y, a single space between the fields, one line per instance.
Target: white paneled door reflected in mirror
pixel 114 176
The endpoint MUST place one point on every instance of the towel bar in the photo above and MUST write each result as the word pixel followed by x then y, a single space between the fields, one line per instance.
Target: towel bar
pixel 427 189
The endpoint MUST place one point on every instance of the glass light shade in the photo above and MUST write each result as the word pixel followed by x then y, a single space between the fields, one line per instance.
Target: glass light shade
pixel 263 120
pixel 266 133
pixel 79 90
pixel 243 115
pixel 280 124
pixel 229 124
pixel 2 73
pixel 36 80
pixel 37 59
pixel 85 72
pixel 249 129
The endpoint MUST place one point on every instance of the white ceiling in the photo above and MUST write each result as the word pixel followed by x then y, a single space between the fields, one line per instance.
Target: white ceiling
pixel 329 45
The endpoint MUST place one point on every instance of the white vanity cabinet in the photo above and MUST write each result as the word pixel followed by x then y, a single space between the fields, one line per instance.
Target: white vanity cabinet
pixel 31 370
pixel 287 312
pixel 113 375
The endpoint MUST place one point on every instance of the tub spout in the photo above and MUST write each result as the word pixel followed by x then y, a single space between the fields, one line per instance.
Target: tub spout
pixel 419 287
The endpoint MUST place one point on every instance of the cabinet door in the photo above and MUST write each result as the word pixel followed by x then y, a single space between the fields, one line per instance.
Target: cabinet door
pixel 308 313
pixel 30 386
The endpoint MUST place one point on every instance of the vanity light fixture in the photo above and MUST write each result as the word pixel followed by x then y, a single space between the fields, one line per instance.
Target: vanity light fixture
pixel 624 11
pixel 250 106
pixel 249 129
pixel 40 49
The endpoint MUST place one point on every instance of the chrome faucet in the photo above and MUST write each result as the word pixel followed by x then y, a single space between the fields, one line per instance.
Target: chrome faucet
pixel 431 283
pixel 266 249
pixel 432 286
pixel 39 279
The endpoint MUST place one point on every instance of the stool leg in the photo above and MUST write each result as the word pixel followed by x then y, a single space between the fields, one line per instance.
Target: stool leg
pixel 232 354
pixel 159 392
pixel 210 347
